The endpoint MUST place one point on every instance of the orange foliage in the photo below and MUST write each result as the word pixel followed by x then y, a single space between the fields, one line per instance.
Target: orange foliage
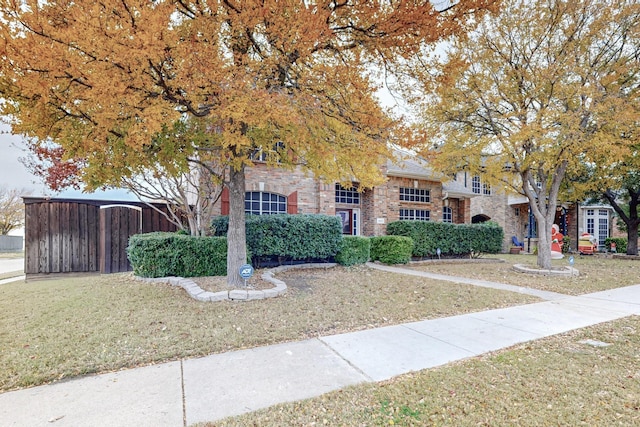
pixel 100 79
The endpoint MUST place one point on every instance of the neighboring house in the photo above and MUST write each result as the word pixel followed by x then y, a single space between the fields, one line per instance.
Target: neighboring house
pixel 512 213
pixel 412 192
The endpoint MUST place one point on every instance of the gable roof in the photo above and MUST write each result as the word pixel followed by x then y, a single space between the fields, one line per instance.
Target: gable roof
pixel 408 165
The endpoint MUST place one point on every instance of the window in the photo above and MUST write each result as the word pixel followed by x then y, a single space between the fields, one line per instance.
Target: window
pixel 414 214
pixel 348 196
pixel 260 155
pixel 479 187
pixel 591 221
pixel 447 214
pixel 415 195
pixel 261 203
pixel 475 184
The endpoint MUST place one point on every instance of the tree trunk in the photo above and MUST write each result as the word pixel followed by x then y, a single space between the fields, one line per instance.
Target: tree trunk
pixel 632 225
pixel 544 244
pixel 543 205
pixel 632 238
pixel 236 236
pixel 631 221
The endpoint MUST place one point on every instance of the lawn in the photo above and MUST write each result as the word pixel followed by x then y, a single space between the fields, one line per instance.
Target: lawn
pixel 55 329
pixel 597 273
pixel 556 381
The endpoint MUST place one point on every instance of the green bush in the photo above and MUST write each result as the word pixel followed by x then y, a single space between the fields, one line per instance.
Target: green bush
pixel 451 239
pixel 162 254
pixel 621 244
pixel 296 237
pixel 354 250
pixel 391 249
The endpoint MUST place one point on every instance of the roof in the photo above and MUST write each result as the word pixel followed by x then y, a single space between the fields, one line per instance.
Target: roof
pixel 456 188
pixel 408 165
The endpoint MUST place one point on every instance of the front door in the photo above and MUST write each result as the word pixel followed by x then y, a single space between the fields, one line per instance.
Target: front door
pixel 597 224
pixel 345 216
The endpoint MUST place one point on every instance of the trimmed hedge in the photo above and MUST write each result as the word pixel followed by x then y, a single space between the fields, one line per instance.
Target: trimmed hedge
pixel 391 249
pixel 621 244
pixel 452 239
pixel 162 254
pixel 296 237
pixel 354 250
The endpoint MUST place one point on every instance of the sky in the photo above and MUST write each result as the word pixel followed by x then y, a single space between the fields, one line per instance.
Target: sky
pixel 14 175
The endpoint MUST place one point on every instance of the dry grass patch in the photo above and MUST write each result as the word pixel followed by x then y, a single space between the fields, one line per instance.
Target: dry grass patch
pixel 11 274
pixel 11 255
pixel 557 381
pixel 596 273
pixel 219 283
pixel 67 327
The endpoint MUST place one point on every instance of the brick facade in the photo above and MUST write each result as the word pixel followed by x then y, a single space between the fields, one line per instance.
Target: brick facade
pixel 512 213
pixel 512 216
pixel 376 208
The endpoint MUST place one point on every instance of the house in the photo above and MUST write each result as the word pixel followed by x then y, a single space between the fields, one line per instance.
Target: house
pixel 412 191
pixel 512 213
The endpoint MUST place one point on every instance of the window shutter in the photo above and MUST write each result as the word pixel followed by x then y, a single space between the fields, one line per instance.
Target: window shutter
pixel 224 199
pixel 292 203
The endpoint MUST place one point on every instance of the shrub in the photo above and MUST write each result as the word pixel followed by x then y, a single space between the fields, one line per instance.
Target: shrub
pixel 391 249
pixel 296 237
pixel 451 239
pixel 354 250
pixel 162 254
pixel 621 244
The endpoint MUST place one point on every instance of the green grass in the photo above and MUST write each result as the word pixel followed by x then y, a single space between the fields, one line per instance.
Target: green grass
pixel 557 381
pixel 56 329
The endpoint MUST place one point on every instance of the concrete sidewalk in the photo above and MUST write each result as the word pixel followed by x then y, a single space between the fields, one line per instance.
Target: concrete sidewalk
pixel 210 388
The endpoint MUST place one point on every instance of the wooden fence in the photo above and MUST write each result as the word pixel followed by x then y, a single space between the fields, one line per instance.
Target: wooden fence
pixel 84 236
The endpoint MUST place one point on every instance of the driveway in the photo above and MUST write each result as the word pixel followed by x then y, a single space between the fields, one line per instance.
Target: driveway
pixel 11 264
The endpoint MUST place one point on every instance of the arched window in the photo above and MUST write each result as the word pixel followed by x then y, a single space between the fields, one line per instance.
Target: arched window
pixel 261 203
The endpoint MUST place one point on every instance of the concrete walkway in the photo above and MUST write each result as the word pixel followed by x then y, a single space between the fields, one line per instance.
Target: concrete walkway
pixel 210 388
pixel 546 295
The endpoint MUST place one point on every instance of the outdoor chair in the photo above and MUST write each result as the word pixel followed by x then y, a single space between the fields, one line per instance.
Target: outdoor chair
pixel 516 242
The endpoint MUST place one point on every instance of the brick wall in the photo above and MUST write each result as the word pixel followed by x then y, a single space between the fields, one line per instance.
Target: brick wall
pixel 512 218
pixel 378 206
pixel 435 195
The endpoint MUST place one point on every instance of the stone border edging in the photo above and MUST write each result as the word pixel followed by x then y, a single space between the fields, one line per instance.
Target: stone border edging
pixel 458 261
pixel 197 293
pixel 564 271
pixel 625 256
